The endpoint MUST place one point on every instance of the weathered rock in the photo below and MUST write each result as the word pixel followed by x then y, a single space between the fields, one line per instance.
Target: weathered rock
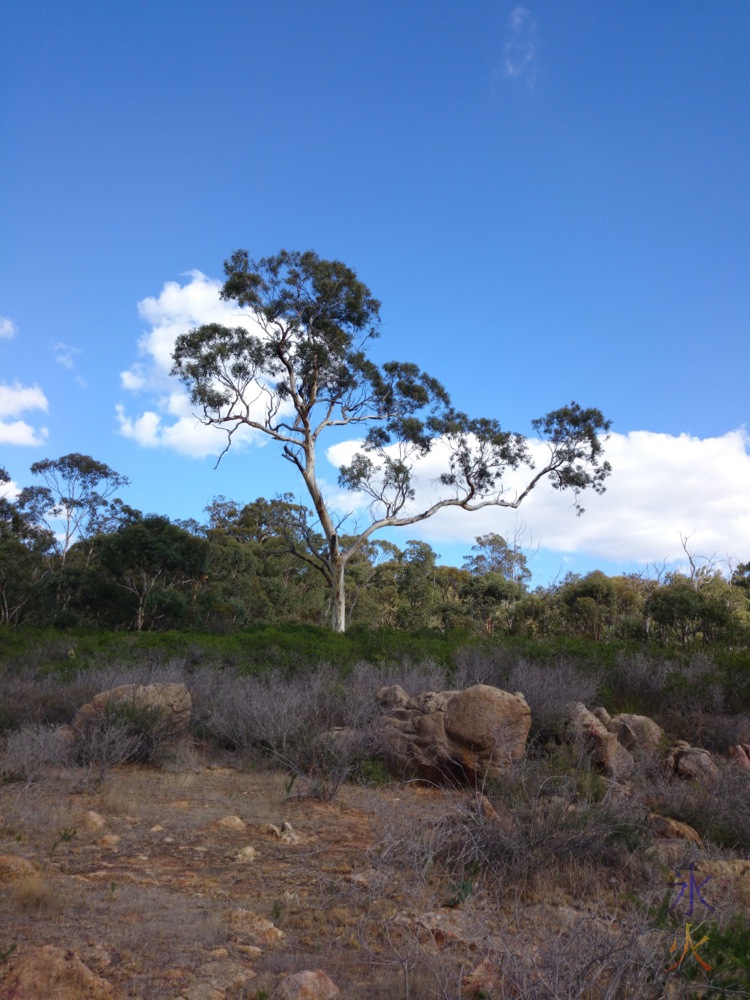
pixel 247 924
pixel 485 980
pixel 454 736
pixel 169 703
pixel 672 829
pixel 691 763
pixel 601 746
pixel 93 821
pixel 230 823
pixel 393 696
pixel 53 974
pixel 307 985
pixel 636 732
pixel 740 754
pixel 602 715
pixel 13 867
pixel 244 856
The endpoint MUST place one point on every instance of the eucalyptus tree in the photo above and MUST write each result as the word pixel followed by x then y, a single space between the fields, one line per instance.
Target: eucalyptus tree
pixel 296 368
pixel 74 502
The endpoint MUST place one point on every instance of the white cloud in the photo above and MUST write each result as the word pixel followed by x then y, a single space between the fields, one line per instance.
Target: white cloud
pixel 17 399
pixel 64 354
pixel 171 421
pixel 7 328
pixel 520 47
pixel 661 487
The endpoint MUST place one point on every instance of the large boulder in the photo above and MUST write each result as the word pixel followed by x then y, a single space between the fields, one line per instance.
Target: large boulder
pixel 168 704
pixel 454 737
pixel 601 746
pixel 691 763
pixel 52 973
pixel 636 732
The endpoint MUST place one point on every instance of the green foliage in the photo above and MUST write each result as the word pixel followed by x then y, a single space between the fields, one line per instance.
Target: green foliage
pixel 64 836
pixel 727 950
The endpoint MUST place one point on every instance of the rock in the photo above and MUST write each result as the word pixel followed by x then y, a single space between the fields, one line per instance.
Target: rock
pixel 110 840
pixel 455 737
pixel 245 856
pixel 245 923
pixel 602 715
pixel 93 821
pixel 53 974
pixel 601 746
pixel 672 829
pixel 485 980
pixel 446 927
pixel 230 823
pixel 307 985
pixel 227 975
pixel 392 697
pixel 13 867
pixel 288 834
pixel 636 732
pixel 204 991
pixel 169 703
pixel 740 754
pixel 691 763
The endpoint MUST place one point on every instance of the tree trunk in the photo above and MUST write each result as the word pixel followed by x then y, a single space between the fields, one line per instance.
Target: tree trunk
pixel 338 596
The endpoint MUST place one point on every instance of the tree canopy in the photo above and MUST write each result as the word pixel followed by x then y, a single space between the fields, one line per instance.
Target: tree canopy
pixel 296 366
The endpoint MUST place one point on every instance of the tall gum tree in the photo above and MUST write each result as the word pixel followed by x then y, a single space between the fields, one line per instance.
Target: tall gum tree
pixel 302 370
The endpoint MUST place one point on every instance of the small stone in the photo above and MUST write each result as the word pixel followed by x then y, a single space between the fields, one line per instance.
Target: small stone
pixel 109 840
pixel 230 823
pixel 156 829
pixel 251 950
pixel 246 855
pixel 93 821
pixel 245 923
pixel 13 867
pixel 308 985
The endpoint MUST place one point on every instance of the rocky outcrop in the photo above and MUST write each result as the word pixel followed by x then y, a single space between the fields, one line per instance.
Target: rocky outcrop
pixel 601 746
pixel 307 985
pixel 170 704
pixel 740 754
pixel 55 974
pixel 691 763
pixel 636 732
pixel 454 737
pixel 665 828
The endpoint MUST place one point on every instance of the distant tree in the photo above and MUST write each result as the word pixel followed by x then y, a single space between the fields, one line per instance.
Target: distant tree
pixel 494 555
pixel 74 501
pixel 155 561
pixel 304 371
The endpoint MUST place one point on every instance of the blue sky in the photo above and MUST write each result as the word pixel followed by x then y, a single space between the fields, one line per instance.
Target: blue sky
pixel 550 199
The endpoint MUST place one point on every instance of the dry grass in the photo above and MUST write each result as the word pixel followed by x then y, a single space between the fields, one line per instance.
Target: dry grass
pixel 35 895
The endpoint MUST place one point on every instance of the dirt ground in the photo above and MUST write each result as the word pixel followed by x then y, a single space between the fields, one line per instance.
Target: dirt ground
pixel 217 883
pixel 156 881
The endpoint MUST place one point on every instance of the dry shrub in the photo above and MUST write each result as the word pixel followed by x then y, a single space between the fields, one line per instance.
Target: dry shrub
pixel 32 750
pixel 548 689
pixel 616 957
pixel 102 742
pixel 34 895
pixel 720 811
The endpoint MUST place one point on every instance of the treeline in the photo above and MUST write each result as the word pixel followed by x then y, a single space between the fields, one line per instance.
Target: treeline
pixel 74 556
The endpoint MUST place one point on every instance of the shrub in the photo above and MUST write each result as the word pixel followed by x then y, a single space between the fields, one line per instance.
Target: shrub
pixel 33 749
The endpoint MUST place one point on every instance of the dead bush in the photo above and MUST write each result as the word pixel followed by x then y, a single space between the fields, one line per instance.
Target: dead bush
pixel 31 750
